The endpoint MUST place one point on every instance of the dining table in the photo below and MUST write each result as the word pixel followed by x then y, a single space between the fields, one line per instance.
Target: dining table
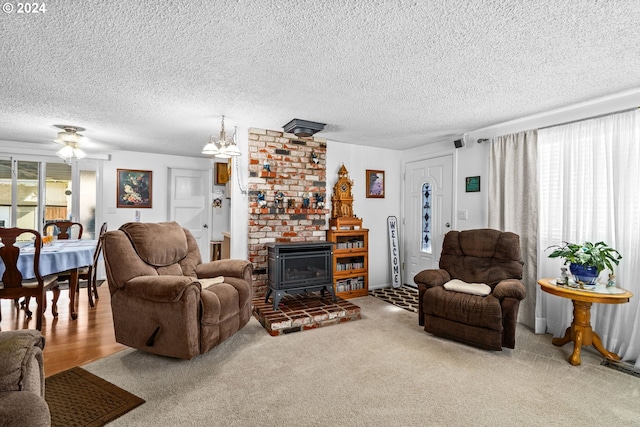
pixel 57 257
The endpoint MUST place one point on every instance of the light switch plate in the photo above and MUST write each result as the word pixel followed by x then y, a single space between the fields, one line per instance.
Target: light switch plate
pixel 463 214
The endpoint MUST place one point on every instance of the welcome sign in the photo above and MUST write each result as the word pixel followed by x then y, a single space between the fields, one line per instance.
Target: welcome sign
pixel 394 252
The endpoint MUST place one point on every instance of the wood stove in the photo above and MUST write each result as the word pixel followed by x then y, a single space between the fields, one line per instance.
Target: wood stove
pixel 298 267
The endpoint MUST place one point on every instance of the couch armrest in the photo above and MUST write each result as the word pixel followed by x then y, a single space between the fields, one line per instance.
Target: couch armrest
pixel 226 267
pixel 23 408
pixel 428 279
pixel 21 363
pixel 512 288
pixel 431 278
pixel 159 288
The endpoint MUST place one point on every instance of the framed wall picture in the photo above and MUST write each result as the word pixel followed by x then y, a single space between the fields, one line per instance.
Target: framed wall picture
pixel 472 184
pixel 375 184
pixel 134 188
pixel 222 173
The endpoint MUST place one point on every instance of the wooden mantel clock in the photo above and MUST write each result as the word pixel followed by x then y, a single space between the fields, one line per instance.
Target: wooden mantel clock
pixel 342 216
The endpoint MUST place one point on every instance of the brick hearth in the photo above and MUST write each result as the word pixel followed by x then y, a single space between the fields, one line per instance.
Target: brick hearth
pixel 302 312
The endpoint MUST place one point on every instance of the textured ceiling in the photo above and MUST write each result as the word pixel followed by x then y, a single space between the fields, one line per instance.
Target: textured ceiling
pixel 157 75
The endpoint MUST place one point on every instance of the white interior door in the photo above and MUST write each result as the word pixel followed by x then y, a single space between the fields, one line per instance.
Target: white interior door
pixel 428 208
pixel 189 204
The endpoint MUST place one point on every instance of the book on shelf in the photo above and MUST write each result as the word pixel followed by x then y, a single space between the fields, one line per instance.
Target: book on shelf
pixel 350 284
pixel 349 266
pixel 350 244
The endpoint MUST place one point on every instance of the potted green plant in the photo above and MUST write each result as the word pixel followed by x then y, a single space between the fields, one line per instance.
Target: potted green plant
pixel 587 260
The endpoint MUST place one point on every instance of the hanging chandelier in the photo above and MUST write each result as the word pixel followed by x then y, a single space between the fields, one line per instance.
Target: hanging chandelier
pixel 222 147
pixel 70 138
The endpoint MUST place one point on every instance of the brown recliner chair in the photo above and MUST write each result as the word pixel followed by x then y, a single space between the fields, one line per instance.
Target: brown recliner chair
pixel 164 299
pixel 484 256
pixel 22 379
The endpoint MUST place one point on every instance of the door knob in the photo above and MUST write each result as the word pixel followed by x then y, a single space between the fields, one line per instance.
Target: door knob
pixel 205 226
pixel 447 225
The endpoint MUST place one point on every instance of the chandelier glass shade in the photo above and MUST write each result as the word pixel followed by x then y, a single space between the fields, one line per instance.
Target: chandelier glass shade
pixel 222 147
pixel 70 138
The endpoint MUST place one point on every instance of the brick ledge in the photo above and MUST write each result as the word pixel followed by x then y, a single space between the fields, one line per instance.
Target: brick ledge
pixel 303 312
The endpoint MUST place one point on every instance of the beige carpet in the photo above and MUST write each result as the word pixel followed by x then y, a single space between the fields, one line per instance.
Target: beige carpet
pixel 382 370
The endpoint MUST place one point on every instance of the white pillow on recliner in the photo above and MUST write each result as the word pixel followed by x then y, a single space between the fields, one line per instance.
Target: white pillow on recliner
pixel 456 285
pixel 208 282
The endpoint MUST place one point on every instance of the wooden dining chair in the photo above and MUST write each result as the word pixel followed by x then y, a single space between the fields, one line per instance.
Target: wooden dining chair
pixel 12 283
pixel 89 273
pixel 65 229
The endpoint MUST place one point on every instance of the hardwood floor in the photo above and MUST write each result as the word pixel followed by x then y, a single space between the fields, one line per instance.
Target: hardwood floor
pixel 69 343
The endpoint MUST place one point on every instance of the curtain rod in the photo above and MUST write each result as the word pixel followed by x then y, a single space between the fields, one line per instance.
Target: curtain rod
pixel 589 118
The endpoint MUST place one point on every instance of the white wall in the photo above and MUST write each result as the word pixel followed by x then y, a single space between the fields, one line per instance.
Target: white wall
pixel 220 215
pixel 373 212
pixel 470 160
pixel 473 158
pixel 239 218
pixel 605 105
pixel 159 164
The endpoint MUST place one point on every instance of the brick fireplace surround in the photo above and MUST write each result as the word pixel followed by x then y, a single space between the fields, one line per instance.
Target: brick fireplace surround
pixel 293 172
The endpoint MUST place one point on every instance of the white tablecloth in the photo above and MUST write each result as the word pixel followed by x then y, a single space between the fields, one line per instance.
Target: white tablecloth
pixel 62 255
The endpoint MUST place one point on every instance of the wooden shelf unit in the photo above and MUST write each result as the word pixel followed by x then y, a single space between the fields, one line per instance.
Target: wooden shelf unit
pixel 350 262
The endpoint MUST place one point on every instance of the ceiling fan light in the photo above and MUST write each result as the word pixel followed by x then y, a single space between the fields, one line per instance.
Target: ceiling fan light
pixel 79 154
pixel 65 152
pixel 73 137
pixel 70 138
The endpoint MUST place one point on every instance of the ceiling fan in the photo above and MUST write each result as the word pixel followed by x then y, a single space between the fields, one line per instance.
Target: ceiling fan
pixel 70 138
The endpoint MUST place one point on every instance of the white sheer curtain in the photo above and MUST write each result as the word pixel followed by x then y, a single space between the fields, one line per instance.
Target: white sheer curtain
pixel 513 204
pixel 589 178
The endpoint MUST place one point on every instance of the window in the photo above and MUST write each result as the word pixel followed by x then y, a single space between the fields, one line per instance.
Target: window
pixel 588 178
pixel 33 192
pixel 426 217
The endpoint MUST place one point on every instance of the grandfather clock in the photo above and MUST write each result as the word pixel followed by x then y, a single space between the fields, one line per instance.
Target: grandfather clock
pixel 342 216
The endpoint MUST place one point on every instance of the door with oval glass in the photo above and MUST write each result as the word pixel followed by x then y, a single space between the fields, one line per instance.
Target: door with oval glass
pixel 428 205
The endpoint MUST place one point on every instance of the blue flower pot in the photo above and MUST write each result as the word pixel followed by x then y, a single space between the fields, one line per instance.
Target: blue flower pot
pixel 587 274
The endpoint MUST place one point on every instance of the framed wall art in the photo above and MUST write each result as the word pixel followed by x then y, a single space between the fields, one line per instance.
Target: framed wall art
pixel 375 184
pixel 134 188
pixel 472 184
pixel 222 173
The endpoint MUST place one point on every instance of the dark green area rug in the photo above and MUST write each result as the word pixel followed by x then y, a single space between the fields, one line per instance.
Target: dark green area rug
pixel 76 397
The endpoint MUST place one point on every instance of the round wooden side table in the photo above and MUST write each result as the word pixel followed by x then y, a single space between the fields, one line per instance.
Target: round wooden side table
pixel 580 331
